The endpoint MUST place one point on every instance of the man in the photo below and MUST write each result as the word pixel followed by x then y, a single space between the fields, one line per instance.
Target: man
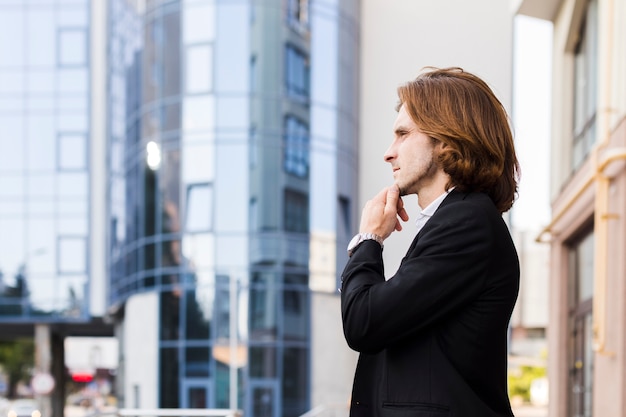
pixel 433 338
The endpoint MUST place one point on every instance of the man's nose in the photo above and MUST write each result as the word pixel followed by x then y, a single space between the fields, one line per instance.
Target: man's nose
pixel 389 155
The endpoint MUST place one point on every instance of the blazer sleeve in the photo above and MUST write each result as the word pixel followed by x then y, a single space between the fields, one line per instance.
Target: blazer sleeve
pixel 446 270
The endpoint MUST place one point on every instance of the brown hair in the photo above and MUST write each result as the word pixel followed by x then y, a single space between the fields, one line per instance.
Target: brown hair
pixel 460 110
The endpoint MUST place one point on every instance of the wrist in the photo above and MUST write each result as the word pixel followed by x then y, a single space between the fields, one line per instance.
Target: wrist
pixel 360 237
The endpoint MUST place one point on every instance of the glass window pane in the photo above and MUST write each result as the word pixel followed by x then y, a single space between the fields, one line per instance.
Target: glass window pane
pixel 263 304
pixel 72 255
pixel 72 206
pixel 12 82
pixel 40 38
pixel 584 268
pixel 73 16
pixel 197 362
pixel 295 314
pixel 295 381
pixel 72 151
pixel 198 315
pixel 40 185
pixel 199 249
pixel 75 120
pixel 62 295
pixel 72 80
pixel 12 48
pixel 11 144
pixel 199 69
pixel 11 186
pixel 296 212
pixel 199 23
pixel 41 249
pixel 262 362
pixel 41 152
pixel 297 73
pixel 296 147
pixel 198 164
pixel 11 250
pixel 199 208
pixel 41 104
pixel 72 103
pixel 72 47
pixel 72 225
pixel 40 208
pixel 199 113
pixel 72 184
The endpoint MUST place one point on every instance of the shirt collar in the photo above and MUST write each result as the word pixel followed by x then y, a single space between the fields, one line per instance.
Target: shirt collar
pixel 427 212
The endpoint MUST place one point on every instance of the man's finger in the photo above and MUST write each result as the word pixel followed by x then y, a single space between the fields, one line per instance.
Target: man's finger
pixel 393 195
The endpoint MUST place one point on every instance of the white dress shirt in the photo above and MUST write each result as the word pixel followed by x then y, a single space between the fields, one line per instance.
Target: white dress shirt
pixel 428 212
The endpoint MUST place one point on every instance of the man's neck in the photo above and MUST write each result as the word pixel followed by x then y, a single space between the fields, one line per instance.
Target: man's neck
pixel 430 193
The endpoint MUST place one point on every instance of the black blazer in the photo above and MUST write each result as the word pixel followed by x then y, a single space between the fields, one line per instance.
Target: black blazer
pixel 433 338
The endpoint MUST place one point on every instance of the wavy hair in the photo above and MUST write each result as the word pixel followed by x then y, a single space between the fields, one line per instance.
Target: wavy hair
pixel 460 110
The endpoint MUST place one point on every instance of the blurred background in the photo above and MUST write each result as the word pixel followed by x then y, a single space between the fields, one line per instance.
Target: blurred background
pixel 179 180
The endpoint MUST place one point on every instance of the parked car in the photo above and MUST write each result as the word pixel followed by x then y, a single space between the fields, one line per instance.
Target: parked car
pixel 23 408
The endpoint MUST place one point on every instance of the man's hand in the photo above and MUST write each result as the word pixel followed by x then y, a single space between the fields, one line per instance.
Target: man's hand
pixel 381 215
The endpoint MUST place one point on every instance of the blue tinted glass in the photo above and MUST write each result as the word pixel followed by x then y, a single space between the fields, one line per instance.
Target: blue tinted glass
pixel 72 47
pixel 12 46
pixel 41 37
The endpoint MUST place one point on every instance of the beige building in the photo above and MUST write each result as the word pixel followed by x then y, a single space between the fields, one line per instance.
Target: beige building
pixel 587 332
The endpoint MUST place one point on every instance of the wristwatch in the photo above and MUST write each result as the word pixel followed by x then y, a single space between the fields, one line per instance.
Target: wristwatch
pixel 360 237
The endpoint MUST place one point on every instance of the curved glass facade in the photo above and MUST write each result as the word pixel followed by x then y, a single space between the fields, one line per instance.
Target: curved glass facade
pixel 44 160
pixel 227 119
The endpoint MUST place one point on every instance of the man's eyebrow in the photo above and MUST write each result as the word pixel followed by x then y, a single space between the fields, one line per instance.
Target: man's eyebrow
pixel 401 128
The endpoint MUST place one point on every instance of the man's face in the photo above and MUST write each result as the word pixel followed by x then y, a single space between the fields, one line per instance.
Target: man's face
pixel 411 155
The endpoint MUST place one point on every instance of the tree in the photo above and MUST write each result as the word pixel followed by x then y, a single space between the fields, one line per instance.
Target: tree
pixel 17 359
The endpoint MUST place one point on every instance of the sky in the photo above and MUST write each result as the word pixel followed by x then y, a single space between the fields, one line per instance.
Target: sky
pixel 531 120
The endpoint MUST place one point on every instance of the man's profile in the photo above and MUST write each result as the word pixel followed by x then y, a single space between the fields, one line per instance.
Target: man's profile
pixel 433 337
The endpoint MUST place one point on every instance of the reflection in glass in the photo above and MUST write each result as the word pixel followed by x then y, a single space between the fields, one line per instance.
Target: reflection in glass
pixel 198 162
pixel 72 151
pixel 72 255
pixel 198 113
pixel 72 184
pixel 72 80
pixel 297 73
pixel 262 362
pixel 169 386
pixel 294 380
pixel 199 204
pixel 199 69
pixel 199 23
pixel 263 307
pixel 197 362
pixel 296 147
pixel 296 211
pixel 40 43
pixel 72 47
pixel 12 22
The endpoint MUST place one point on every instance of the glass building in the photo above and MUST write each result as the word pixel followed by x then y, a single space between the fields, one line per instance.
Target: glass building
pixel 44 152
pixel 185 170
pixel 232 139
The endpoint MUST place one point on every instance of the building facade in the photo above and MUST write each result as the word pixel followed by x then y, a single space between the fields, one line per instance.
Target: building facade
pixel 52 273
pixel 45 172
pixel 231 151
pixel 586 333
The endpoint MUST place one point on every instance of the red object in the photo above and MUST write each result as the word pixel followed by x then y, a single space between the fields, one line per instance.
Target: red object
pixel 82 377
